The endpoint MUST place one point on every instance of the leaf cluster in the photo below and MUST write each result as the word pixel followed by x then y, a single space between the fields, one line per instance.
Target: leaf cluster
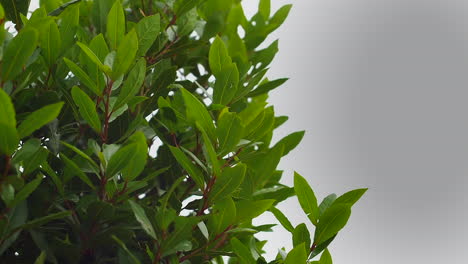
pixel 139 132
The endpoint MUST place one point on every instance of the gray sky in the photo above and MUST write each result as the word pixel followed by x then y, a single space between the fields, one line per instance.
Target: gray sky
pixel 381 89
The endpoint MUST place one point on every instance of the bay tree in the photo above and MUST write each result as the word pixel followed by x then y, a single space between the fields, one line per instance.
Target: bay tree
pixel 140 132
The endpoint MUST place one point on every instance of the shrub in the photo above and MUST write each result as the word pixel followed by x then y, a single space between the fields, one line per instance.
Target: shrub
pixel 90 90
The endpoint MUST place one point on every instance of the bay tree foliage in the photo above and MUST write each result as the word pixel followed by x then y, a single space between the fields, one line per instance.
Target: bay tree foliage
pixel 139 132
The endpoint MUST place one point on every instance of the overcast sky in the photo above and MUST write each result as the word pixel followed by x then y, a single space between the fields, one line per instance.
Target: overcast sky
pixel 381 87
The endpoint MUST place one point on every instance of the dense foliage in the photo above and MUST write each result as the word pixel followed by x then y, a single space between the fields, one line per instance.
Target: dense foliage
pixel 139 132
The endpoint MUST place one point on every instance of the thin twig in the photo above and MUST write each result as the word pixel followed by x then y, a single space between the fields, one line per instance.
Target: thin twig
pixel 222 235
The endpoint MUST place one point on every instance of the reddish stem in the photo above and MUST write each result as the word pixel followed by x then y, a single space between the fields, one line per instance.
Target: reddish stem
pixel 313 247
pixel 72 209
pixel 222 235
pixel 174 140
pixel 206 193
pixel 228 161
pixel 102 193
pixel 153 60
pixel 107 114
pixel 120 193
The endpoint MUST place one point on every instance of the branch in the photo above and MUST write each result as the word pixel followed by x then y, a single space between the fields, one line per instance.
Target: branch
pixel 61 8
pixel 107 114
pixel 222 235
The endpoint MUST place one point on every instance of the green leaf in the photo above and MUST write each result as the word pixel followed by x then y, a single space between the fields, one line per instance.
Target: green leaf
pixel 278 18
pixel 187 164
pixel 38 119
pixel 301 235
pixel 226 85
pixel 165 199
pixel 124 247
pixel 87 108
pixel 183 6
pixel 51 43
pixel 187 23
pixel 332 221
pixel 17 216
pixel 228 182
pixel 8 193
pixel 9 137
pixel 264 7
pixel 115 25
pixel 229 132
pixel 136 163
pixel 125 54
pixel 59 9
pixel 82 76
pixel 296 256
pixel 218 56
pixel 351 197
pixel 256 124
pixel 284 221
pixel 224 213
pixel 75 170
pixel 242 252
pixel 306 197
pixel 291 141
pixel 94 58
pixel 279 120
pixel 44 220
pixel 262 125
pixel 7 111
pixel 120 160
pixel 26 191
pixel 266 166
pixel 35 160
pixel 247 210
pixel 264 56
pixel 26 151
pixel 53 175
pixel 41 259
pixel 253 109
pixel 204 230
pixel 147 30
pixel 70 18
pixel 81 153
pixel 141 217
pixel 132 84
pixel 209 149
pixel 326 258
pixel 99 13
pixel 136 100
pixel 238 52
pixel 39 239
pixel 197 112
pixel 39 21
pixel 18 52
pixel 15 9
pixel 182 246
pixel 266 87
pixel 278 193
pixel 99 47
pixel 321 247
pixel 182 231
pixel 327 201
